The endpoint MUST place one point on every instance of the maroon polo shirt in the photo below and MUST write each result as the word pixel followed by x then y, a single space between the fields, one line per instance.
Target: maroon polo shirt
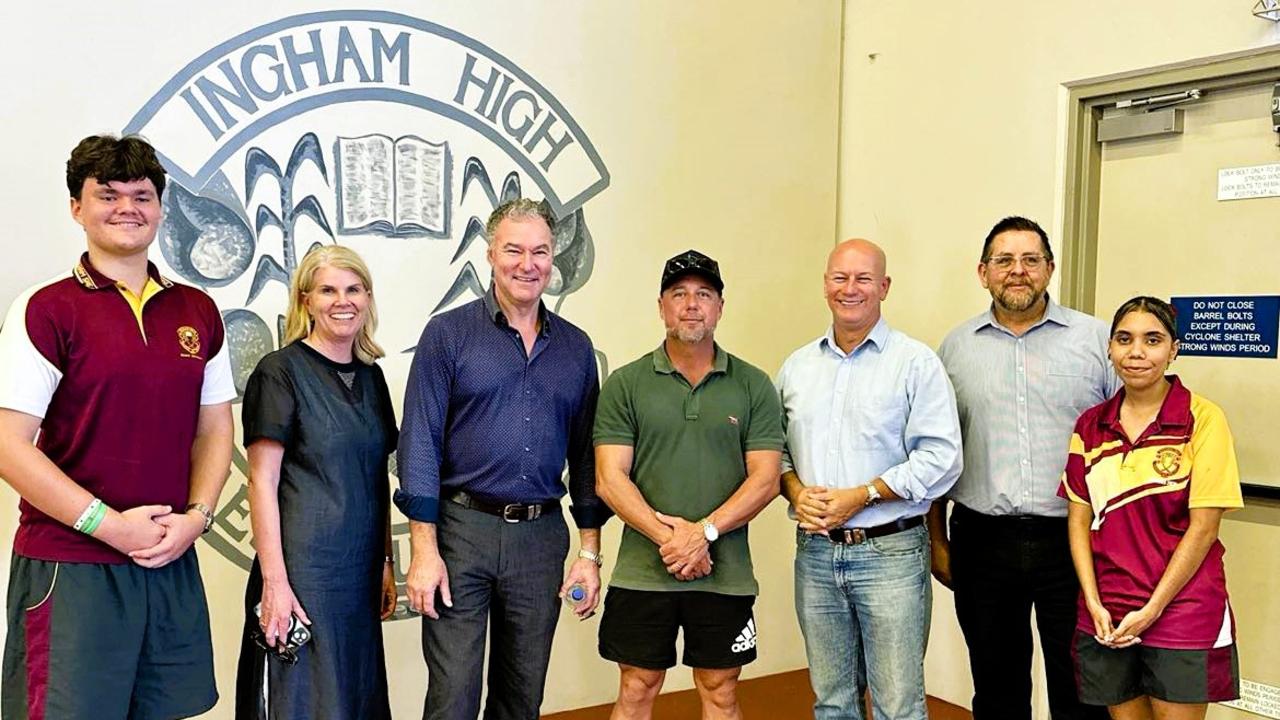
pixel 119 393
pixel 1142 493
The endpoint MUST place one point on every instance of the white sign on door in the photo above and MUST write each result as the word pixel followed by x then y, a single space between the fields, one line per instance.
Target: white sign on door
pixel 1254 181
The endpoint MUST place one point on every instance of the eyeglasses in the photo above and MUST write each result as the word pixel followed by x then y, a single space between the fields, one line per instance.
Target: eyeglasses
pixel 1005 263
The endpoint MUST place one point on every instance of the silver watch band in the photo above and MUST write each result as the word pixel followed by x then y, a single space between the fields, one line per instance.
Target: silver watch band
pixel 873 494
pixel 205 512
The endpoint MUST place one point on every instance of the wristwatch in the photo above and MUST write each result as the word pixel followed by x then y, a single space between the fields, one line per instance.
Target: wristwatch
pixel 594 557
pixel 709 530
pixel 204 512
pixel 873 495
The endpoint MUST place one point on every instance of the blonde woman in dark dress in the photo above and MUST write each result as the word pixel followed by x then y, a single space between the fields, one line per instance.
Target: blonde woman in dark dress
pixel 318 428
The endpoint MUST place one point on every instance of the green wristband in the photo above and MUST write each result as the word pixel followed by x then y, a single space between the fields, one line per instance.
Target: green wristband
pixel 89 510
pixel 95 520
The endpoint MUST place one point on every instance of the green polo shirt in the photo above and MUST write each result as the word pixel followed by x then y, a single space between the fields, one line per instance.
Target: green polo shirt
pixel 689 446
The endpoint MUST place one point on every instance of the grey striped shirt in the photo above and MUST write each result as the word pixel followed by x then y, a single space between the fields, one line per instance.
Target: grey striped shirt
pixel 1018 399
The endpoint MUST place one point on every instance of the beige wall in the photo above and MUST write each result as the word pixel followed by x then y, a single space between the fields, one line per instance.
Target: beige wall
pixel 721 130
pixel 717 121
pixel 952 117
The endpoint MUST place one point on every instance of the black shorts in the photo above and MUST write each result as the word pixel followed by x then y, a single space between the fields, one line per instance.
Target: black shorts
pixel 99 641
pixel 1105 676
pixel 639 628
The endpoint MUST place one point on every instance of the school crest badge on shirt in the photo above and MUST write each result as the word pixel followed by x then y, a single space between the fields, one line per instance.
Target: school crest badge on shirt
pixel 1167 462
pixel 189 339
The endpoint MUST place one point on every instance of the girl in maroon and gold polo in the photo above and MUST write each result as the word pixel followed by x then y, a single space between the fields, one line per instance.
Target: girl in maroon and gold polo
pixel 1149 475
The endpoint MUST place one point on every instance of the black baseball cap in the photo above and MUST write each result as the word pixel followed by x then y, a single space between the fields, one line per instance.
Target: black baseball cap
pixel 691 262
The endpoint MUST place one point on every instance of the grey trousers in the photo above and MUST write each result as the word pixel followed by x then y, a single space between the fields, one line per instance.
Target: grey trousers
pixel 505 579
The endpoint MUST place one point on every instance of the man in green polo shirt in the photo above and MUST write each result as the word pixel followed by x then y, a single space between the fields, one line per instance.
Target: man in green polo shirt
pixel 688 446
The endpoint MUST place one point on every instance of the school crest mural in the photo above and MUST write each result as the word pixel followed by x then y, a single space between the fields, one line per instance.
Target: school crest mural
pixel 385 132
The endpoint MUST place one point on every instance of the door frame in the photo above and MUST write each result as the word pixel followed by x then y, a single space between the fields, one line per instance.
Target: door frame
pixel 1083 166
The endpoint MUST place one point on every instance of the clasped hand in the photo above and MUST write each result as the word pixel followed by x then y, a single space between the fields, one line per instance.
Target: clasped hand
pixel 152 535
pixel 1127 633
pixel 819 509
pixel 686 553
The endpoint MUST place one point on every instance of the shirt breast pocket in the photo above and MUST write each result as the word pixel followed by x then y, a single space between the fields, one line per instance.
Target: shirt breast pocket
pixel 1072 384
pixel 880 421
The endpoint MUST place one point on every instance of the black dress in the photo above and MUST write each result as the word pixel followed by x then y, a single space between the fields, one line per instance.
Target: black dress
pixel 337 426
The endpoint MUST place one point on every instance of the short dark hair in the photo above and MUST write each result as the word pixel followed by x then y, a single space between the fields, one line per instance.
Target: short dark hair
pixel 1017 223
pixel 107 159
pixel 1163 311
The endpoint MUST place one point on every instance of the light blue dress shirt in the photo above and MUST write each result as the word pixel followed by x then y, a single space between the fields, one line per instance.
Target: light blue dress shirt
pixel 884 410
pixel 1019 397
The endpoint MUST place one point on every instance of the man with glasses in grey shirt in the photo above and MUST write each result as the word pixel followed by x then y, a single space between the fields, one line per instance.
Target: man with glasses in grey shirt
pixel 1023 371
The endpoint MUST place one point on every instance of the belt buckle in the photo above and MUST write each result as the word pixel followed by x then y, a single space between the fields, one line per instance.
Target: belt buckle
pixel 514 512
pixel 854 536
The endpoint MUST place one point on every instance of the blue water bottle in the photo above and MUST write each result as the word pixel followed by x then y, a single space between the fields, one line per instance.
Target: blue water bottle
pixel 575 595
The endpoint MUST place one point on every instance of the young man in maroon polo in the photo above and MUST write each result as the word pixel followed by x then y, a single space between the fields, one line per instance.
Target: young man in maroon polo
pixel 122 379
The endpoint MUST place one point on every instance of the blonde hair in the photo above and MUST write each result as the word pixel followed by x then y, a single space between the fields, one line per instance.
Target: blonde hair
pixel 297 323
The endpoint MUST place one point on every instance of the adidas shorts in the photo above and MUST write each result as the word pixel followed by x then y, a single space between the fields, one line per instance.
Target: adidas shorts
pixel 639 628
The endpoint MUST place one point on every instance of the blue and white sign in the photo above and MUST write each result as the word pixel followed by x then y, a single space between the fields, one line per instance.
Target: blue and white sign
pixel 1228 325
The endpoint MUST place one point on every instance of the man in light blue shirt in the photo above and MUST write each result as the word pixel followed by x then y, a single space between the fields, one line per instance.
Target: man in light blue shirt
pixel 872 439
pixel 1023 371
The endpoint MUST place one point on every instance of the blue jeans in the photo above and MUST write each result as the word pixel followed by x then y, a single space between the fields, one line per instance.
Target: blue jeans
pixel 864 611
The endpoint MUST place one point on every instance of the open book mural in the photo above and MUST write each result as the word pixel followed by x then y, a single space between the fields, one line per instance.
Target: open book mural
pixel 393 187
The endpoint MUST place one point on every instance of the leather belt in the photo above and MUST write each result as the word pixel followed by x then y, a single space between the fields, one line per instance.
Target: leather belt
pixel 856 536
pixel 510 512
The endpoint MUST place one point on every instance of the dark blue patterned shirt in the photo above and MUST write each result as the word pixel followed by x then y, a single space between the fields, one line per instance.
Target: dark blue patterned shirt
pixel 483 417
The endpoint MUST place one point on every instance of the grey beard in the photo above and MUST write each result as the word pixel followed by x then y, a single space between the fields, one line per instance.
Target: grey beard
pixel 1013 303
pixel 691 337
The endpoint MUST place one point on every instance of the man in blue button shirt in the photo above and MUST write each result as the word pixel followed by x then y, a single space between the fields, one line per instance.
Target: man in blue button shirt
pixel 501 392
pixel 1023 371
pixel 872 439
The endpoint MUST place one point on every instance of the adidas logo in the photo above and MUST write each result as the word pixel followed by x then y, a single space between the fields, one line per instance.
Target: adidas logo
pixel 747 638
